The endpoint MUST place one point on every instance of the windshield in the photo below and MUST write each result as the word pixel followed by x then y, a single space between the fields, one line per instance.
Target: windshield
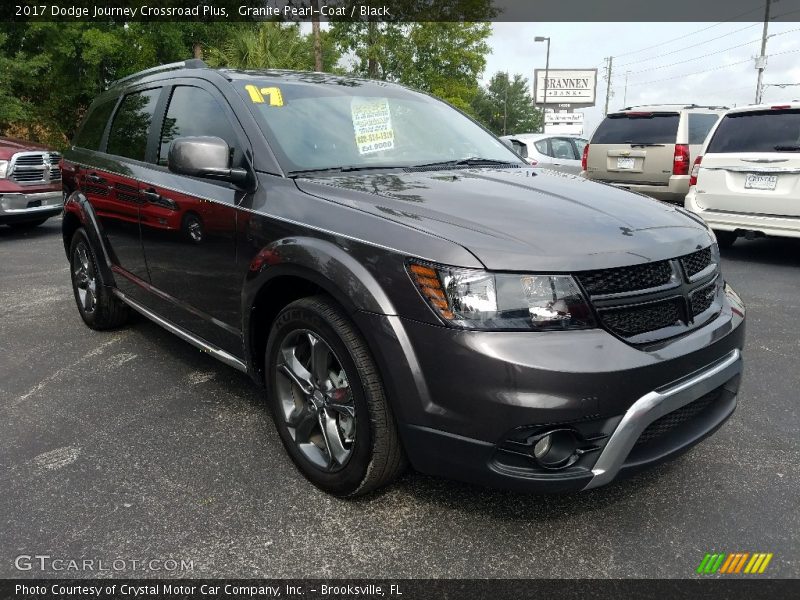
pixel 355 124
pixel 640 128
pixel 758 131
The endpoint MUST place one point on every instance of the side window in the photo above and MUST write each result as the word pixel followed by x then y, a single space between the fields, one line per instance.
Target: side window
pixel 131 125
pixel 562 148
pixel 541 146
pixel 193 111
pixel 580 144
pixel 94 125
pixel 699 126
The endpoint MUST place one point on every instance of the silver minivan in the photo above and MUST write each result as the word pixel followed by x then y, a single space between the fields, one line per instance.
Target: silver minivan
pixel 650 149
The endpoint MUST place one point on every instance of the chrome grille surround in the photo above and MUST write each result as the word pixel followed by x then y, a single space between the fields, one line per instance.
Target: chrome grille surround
pixel 32 168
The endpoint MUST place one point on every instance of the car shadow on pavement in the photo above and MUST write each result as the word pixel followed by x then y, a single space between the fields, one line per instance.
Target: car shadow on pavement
pixel 50 228
pixel 773 251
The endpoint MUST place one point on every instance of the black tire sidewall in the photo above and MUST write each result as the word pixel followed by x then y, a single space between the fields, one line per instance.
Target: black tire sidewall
pixel 78 238
pixel 347 480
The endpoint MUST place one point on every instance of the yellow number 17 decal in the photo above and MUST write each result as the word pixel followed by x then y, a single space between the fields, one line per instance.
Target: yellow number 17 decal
pixel 257 95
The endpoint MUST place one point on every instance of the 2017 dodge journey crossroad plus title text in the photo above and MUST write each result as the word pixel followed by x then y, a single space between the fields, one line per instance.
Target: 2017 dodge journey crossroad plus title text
pixel 403 285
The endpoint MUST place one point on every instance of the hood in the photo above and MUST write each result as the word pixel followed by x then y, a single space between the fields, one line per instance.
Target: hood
pixel 523 219
pixel 10 146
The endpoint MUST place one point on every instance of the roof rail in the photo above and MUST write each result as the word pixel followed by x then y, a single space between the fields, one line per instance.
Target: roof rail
pixel 192 63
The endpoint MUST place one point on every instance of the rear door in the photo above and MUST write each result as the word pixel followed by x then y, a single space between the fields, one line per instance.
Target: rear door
pixel 111 186
pixel 634 147
pixel 752 164
pixel 565 155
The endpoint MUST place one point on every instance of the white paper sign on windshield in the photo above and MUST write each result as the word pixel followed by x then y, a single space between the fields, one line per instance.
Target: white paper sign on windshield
pixel 372 123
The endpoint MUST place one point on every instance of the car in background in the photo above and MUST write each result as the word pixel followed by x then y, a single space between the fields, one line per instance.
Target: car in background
pixel 649 149
pixel 560 153
pixel 746 181
pixel 30 183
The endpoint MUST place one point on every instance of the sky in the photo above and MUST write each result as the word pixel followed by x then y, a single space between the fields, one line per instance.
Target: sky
pixel 704 63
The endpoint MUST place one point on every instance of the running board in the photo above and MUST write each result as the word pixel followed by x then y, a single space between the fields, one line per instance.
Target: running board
pixel 218 353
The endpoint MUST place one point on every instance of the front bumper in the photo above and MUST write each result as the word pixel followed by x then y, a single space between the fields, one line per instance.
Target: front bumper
pixel 18 207
pixel 463 399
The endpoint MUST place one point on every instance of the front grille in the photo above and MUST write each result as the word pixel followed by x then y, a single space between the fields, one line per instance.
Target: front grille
pixel 703 298
pixel 670 421
pixel 635 320
pixel 32 167
pixel 626 279
pixel 696 261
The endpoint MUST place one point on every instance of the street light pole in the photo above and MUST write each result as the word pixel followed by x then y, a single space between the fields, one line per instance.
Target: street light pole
pixel 541 38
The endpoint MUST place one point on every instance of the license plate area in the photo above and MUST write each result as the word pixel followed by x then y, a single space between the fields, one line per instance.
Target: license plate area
pixel 624 162
pixel 760 182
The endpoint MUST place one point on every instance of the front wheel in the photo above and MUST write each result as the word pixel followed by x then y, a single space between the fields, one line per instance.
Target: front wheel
pixel 328 401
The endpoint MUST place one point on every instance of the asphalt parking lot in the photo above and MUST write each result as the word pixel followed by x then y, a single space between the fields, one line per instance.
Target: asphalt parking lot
pixel 132 444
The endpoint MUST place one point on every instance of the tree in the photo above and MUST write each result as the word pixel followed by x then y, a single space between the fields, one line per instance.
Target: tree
pixel 442 58
pixel 505 106
pixel 272 45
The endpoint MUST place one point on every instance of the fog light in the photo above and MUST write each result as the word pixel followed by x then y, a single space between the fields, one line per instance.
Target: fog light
pixel 556 449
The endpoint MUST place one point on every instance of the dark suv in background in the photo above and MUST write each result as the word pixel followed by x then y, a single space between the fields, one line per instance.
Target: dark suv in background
pixel 403 285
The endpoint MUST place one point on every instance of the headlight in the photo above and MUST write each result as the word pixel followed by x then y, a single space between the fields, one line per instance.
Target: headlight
pixel 474 299
pixel 3 169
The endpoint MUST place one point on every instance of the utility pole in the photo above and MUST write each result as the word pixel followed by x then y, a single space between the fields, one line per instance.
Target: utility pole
pixel 315 34
pixel 610 60
pixel 761 61
pixel 625 94
pixel 505 106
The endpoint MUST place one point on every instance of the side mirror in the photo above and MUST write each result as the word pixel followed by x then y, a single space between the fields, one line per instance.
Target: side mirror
pixel 203 156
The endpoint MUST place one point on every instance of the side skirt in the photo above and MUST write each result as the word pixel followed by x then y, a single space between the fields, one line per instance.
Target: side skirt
pixel 195 341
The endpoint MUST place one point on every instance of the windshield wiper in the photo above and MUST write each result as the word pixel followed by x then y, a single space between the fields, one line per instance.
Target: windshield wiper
pixel 469 161
pixel 788 148
pixel 346 169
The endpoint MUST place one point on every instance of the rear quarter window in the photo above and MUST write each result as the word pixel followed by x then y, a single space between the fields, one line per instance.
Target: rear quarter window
pixel 648 128
pixel 91 133
pixel 699 126
pixel 762 131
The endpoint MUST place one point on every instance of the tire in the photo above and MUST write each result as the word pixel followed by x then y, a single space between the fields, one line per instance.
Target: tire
pixel 192 227
pixel 725 239
pixel 23 225
pixel 336 423
pixel 97 305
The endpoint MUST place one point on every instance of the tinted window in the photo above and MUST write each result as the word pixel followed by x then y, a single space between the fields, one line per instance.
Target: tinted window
pixel 562 148
pixel 764 131
pixel 95 125
pixel 193 111
pixel 131 125
pixel 647 128
pixel 699 126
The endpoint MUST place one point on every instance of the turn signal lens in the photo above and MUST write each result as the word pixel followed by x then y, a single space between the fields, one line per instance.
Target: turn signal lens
pixel 475 299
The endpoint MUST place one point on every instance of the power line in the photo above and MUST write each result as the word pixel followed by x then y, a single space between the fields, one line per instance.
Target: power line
pixel 689 34
pixel 719 68
pixel 685 48
pixel 681 62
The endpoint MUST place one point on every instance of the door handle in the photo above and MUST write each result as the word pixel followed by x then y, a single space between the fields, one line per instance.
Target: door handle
pixel 151 195
pixel 95 178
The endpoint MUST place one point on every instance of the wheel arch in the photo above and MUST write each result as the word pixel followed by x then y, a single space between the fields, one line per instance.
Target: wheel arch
pixel 78 212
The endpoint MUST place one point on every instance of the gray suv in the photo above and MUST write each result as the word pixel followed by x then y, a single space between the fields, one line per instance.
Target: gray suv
pixel 403 286
pixel 650 149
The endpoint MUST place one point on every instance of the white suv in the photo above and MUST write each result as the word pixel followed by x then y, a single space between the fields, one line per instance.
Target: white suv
pixel 747 179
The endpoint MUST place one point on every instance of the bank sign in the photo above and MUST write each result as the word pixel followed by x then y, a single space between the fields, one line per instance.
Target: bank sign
pixel 573 87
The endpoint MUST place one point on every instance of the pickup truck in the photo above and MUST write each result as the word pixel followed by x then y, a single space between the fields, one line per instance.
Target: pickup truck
pixel 30 183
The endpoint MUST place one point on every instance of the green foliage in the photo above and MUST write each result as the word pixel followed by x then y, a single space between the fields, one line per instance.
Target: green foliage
pixel 443 58
pixel 505 106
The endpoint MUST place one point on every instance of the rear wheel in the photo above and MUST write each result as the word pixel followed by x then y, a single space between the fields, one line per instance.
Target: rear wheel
pixel 725 239
pixel 328 400
pixel 97 305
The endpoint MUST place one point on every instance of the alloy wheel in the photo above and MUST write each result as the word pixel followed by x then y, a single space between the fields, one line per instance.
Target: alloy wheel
pixel 85 278
pixel 316 400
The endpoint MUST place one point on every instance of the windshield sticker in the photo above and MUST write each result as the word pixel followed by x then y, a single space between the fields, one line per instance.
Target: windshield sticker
pixel 258 95
pixel 372 124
